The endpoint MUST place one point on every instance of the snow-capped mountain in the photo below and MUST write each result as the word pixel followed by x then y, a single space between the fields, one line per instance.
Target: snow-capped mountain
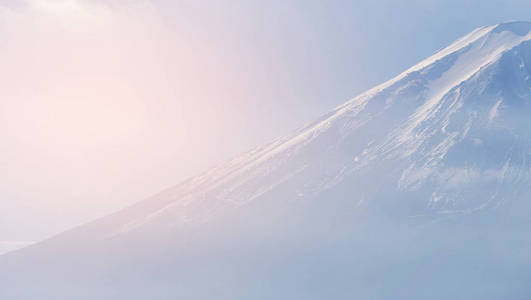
pixel 416 189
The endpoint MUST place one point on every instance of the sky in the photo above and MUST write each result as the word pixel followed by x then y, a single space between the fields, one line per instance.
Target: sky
pixel 104 103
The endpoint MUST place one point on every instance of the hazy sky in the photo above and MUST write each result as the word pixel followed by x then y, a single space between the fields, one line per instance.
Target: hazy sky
pixel 104 103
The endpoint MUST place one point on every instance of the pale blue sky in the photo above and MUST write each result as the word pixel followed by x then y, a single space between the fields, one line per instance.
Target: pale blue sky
pixel 320 53
pixel 210 79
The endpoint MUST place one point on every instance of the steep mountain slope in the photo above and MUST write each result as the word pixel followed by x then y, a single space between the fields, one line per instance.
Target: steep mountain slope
pixel 415 189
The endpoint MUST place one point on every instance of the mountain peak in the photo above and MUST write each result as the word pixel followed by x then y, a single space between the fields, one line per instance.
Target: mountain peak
pixel 518 27
pixel 467 55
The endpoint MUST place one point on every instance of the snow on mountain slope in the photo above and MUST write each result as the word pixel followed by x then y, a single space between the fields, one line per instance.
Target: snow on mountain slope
pixel 415 189
pixel 419 118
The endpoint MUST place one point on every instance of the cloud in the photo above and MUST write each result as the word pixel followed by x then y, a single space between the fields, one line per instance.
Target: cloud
pixel 71 13
pixel 75 15
pixel 13 4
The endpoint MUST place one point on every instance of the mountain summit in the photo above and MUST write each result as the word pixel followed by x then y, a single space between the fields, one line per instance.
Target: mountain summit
pixel 416 189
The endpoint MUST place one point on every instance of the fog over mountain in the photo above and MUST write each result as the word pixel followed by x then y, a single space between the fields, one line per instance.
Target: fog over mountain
pixel 416 189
